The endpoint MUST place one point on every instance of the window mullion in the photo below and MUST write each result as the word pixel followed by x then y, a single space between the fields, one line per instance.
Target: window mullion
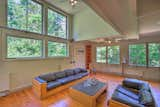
pixel 45 19
pixel 147 55
pixel 27 15
pixel 106 54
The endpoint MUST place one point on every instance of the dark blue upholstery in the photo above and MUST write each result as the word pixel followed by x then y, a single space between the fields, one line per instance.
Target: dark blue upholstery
pixel 83 70
pixel 48 77
pixel 66 79
pixel 53 84
pixel 40 80
pixel 135 93
pixel 83 74
pixel 127 92
pixel 60 74
pixel 120 97
pixel 146 98
pixel 58 78
pixel 133 83
pixel 69 72
pixel 77 70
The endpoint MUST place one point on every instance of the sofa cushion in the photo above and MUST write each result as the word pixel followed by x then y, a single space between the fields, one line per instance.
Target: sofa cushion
pixel 133 83
pixel 77 77
pixel 127 92
pixel 83 70
pixel 69 72
pixel 53 84
pixel 48 77
pixel 82 74
pixel 77 70
pixel 146 98
pixel 122 98
pixel 66 79
pixel 60 74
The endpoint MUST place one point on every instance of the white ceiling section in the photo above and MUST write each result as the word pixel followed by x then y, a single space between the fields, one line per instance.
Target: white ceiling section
pixel 121 14
pixel 87 25
pixel 65 6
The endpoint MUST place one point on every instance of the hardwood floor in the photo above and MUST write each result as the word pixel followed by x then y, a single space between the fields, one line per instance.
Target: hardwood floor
pixel 25 98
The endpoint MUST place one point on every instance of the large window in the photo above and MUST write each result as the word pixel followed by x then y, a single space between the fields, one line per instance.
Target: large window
pixel 154 54
pixel 25 15
pixel 113 55
pixel 137 54
pixel 57 24
pixel 56 49
pixel 101 54
pixel 23 48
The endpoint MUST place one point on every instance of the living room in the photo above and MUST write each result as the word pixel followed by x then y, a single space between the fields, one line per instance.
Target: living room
pixel 113 44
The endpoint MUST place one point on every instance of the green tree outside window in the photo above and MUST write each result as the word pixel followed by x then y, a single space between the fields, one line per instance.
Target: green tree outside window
pixel 101 54
pixel 25 15
pixel 113 55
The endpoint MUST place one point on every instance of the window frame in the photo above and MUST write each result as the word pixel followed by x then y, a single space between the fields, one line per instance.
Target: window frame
pixel 145 56
pixel 119 55
pixel 105 55
pixel 37 36
pixel 67 50
pixel 42 18
pixel 148 66
pixel 67 22
pixel 22 58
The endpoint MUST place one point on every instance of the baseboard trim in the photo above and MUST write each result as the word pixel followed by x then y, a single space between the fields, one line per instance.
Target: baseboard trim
pixel 20 88
pixel 129 76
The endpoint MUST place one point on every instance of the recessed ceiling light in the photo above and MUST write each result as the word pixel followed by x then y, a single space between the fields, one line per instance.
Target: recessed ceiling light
pixel 109 41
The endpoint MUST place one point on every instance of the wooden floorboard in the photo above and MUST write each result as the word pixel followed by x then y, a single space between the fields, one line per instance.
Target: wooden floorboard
pixel 26 98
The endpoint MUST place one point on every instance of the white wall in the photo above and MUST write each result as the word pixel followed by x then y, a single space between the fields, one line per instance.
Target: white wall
pixel 88 25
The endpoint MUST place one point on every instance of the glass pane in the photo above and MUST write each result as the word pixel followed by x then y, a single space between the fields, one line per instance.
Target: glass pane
pixel 113 55
pixel 154 54
pixel 34 17
pixel 101 54
pixel 57 49
pixel 57 24
pixel 17 14
pixel 23 47
pixel 137 55
pixel 25 15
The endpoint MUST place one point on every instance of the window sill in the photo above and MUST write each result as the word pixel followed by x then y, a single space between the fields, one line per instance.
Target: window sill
pixel 32 59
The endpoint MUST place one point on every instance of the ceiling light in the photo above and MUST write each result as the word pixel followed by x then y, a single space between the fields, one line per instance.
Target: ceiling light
pixel 109 42
pixel 73 2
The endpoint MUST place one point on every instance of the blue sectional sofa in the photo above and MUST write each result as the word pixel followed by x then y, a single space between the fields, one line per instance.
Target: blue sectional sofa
pixel 50 83
pixel 133 93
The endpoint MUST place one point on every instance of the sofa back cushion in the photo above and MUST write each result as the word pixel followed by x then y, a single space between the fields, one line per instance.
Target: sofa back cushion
pixel 48 77
pixel 132 83
pixel 60 74
pixel 77 70
pixel 69 72
pixel 83 70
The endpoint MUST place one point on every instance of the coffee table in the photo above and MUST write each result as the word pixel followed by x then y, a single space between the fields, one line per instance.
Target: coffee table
pixel 87 95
